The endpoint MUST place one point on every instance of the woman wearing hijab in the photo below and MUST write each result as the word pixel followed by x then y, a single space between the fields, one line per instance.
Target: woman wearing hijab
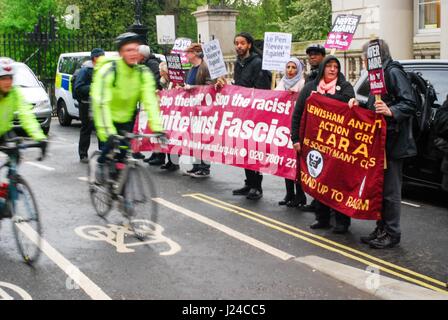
pixel 331 83
pixel 292 81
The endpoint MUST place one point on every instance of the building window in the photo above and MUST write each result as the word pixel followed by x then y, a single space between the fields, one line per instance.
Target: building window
pixel 429 14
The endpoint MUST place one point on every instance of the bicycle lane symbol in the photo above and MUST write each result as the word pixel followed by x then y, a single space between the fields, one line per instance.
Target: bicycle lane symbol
pixel 116 236
pixel 9 291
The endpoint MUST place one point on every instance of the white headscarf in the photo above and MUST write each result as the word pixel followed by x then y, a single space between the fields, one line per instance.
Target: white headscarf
pixel 289 83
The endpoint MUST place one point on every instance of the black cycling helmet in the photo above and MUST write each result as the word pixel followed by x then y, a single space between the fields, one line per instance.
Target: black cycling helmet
pixel 315 48
pixel 127 37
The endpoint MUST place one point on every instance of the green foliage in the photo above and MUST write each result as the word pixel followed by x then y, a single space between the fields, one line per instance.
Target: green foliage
pixel 22 15
pixel 311 20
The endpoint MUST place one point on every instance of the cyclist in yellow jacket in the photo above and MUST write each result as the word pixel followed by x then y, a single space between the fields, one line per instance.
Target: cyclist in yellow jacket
pixel 117 86
pixel 12 101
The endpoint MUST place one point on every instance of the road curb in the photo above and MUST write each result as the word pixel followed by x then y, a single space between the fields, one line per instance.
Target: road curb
pixel 387 288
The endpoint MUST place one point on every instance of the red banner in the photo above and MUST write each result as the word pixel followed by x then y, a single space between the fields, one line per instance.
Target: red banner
pixel 247 128
pixel 342 156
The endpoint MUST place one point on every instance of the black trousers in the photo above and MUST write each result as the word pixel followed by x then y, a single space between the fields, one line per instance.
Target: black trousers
pixel 323 214
pixel 393 177
pixel 294 194
pixel 253 179
pixel 87 127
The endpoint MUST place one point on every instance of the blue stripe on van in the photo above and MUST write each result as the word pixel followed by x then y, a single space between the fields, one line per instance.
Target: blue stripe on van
pixel 65 82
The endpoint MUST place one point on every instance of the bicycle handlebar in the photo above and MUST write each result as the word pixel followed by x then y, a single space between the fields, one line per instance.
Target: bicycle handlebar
pixel 19 145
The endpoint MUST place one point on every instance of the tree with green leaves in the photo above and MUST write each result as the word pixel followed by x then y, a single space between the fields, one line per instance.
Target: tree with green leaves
pixel 309 20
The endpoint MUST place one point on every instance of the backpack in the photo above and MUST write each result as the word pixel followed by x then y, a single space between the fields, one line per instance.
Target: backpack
pixel 425 96
pixel 103 60
pixel 73 81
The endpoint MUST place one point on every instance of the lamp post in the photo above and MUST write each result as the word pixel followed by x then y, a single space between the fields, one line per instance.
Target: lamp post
pixel 137 26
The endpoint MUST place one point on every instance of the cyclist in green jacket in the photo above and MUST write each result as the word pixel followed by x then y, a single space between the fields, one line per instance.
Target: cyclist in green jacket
pixel 12 101
pixel 116 89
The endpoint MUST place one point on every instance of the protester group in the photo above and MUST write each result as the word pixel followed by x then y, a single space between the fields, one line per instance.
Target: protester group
pixel 324 77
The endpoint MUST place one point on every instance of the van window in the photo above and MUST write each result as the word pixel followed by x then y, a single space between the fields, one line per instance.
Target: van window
pixel 68 65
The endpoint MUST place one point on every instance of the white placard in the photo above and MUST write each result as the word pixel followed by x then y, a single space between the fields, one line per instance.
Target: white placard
pixel 214 58
pixel 166 29
pixel 276 51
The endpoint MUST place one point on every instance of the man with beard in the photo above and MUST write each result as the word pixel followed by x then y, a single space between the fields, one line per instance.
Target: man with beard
pixel 248 73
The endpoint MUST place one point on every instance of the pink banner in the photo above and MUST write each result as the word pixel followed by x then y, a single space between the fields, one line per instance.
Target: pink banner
pixel 247 128
pixel 341 35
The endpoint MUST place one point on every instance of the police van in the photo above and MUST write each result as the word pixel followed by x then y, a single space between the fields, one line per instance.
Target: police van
pixel 68 63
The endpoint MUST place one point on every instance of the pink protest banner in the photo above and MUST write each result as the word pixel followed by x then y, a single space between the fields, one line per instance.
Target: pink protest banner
pixel 375 68
pixel 247 128
pixel 341 35
pixel 175 71
pixel 342 156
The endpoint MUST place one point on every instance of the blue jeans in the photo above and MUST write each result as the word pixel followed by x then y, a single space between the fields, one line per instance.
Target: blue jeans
pixel 107 146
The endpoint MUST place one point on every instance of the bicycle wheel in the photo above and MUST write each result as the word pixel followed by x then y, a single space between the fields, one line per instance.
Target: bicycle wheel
pixel 100 195
pixel 26 222
pixel 139 208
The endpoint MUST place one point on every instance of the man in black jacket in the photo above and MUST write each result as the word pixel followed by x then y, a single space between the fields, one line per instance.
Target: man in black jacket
pixel 82 88
pixel 398 106
pixel 248 73
pixel 316 53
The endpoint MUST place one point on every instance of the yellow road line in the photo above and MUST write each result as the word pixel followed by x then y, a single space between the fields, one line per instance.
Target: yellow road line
pixel 235 209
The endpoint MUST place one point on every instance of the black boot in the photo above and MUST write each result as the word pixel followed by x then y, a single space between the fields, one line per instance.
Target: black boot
pixel 254 194
pixel 320 225
pixel 285 201
pixel 244 191
pixel 384 241
pixel 372 236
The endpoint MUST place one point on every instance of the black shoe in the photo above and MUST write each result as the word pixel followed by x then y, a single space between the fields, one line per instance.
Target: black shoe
pixel 285 200
pixel 84 159
pixel 375 234
pixel 138 155
pixel 320 225
pixel 169 166
pixel 201 174
pixel 190 172
pixel 384 241
pixel 244 191
pixel 254 194
pixel 156 162
pixel 296 202
pixel 340 229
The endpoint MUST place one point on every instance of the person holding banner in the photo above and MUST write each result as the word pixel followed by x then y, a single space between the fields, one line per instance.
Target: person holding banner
pixel 330 82
pixel 292 81
pixel 398 106
pixel 198 75
pixel 248 73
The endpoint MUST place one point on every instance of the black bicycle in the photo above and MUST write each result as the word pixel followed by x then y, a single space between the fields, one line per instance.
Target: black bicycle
pixel 18 201
pixel 127 183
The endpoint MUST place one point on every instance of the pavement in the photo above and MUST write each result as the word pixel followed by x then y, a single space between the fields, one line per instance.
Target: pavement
pixel 213 245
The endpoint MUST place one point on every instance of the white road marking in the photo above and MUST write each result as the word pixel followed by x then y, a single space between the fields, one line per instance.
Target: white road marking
pixel 371 281
pixel 116 236
pixel 5 296
pixel 231 232
pixel 89 287
pixel 40 166
pixel 411 204
pixel 85 179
